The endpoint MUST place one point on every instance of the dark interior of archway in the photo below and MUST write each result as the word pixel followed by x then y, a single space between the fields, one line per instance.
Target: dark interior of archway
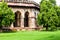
pixel 17 19
pixel 26 20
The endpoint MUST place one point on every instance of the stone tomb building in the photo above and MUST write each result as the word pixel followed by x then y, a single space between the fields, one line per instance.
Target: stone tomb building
pixel 25 13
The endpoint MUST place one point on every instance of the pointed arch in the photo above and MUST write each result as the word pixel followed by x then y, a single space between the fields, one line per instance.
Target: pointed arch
pixel 26 19
pixel 17 22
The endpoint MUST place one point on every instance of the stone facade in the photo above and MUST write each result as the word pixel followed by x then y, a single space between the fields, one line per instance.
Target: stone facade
pixel 25 13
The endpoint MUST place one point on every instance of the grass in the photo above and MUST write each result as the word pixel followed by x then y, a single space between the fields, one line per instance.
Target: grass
pixel 31 35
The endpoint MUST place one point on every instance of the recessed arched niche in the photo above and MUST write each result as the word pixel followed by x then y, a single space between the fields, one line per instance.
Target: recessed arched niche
pixel 26 19
pixel 17 22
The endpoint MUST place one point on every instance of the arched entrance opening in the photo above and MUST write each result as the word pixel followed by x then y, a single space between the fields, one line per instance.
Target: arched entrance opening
pixel 17 22
pixel 26 20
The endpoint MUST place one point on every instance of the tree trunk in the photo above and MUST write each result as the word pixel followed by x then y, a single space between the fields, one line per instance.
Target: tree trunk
pixel 46 28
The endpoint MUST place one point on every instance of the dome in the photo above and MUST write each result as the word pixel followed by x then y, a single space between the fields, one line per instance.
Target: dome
pixel 17 0
pixel 29 3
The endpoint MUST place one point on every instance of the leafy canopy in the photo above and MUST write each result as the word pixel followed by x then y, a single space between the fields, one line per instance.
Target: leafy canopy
pixel 47 16
pixel 6 14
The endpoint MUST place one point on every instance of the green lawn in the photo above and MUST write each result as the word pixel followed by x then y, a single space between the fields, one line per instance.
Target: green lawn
pixel 31 35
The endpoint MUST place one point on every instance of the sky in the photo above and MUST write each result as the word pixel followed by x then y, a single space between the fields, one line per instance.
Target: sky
pixel 58 1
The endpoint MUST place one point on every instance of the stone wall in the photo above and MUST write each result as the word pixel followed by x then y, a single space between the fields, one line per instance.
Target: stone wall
pixel 31 16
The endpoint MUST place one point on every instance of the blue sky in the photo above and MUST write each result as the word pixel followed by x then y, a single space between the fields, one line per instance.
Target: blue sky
pixel 58 1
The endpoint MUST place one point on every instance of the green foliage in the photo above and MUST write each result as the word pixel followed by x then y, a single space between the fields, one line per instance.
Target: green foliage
pixel 48 16
pixel 6 14
pixel 53 2
pixel 57 8
pixel 53 28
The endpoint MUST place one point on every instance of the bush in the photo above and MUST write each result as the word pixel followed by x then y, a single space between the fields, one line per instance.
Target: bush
pixel 53 28
pixel 8 30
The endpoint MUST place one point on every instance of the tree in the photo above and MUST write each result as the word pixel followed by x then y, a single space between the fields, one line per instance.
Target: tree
pixel 6 14
pixel 47 16
pixel 53 2
pixel 57 9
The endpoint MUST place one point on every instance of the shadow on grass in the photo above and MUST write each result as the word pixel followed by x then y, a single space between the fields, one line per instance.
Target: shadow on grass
pixel 8 32
pixel 49 30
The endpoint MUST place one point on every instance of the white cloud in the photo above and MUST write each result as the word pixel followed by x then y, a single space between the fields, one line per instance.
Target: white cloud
pixel 37 1
pixel 58 2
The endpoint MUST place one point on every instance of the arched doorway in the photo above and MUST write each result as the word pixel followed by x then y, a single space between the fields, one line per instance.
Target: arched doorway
pixel 17 22
pixel 26 20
